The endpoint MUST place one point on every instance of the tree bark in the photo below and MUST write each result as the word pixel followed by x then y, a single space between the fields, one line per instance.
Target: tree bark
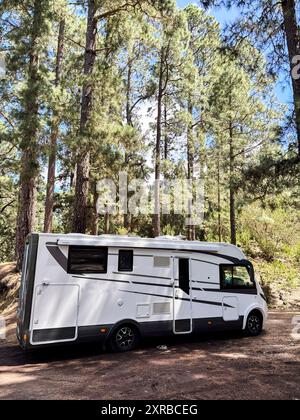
pixel 166 137
pixel 95 222
pixel 293 43
pixel 231 186
pixel 191 229
pixel 54 135
pixel 166 217
pixel 83 158
pixel 219 197
pixel 157 195
pixel 106 223
pixel 128 94
pixel 29 145
pixel 127 217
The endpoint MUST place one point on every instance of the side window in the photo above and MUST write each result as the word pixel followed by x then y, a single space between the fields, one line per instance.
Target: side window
pixel 125 260
pixel 85 260
pixel 236 277
pixel 184 275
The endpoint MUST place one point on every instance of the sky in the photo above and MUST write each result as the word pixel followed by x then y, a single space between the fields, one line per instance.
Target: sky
pixel 224 16
pixel 221 14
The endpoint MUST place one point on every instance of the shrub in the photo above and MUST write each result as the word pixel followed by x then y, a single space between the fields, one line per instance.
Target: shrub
pixel 278 279
pixel 268 234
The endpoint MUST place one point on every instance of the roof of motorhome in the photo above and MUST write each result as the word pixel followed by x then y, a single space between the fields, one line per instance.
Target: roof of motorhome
pixel 166 242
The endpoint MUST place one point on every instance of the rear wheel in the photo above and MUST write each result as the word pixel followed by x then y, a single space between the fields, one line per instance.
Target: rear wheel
pixel 125 338
pixel 254 325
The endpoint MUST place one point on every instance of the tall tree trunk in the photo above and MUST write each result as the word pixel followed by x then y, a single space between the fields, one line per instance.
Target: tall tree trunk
pixel 219 197
pixel 73 173
pixel 128 94
pixel 128 222
pixel 95 222
pixel 107 223
pixel 191 229
pixel 157 203
pixel 293 43
pixel 127 217
pixel 166 137
pixel 166 217
pixel 29 145
pixel 54 135
pixel 231 186
pixel 83 158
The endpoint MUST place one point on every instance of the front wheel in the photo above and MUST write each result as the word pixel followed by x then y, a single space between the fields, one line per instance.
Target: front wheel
pixel 125 338
pixel 254 325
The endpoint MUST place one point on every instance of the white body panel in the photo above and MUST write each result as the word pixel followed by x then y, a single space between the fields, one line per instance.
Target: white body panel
pixel 231 310
pixel 146 295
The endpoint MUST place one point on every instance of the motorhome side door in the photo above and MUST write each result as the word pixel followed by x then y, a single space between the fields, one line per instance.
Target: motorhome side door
pixel 55 315
pixel 182 297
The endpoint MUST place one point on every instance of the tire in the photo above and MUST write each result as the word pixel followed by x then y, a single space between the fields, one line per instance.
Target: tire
pixel 254 324
pixel 124 338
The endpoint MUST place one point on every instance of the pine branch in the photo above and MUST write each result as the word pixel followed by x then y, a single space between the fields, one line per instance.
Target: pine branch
pixel 10 23
pixel 7 119
pixel 75 42
pixel 8 152
pixel 6 206
pixel 113 12
pixel 142 98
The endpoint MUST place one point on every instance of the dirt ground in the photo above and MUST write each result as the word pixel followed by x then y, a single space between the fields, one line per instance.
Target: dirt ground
pixel 218 366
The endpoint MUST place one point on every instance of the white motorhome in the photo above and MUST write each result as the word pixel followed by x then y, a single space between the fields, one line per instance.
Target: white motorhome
pixel 118 289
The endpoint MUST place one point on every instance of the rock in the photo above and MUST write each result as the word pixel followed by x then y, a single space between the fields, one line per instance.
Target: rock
pixel 162 348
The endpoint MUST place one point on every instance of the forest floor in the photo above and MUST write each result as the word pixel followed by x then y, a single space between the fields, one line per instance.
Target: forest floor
pixel 215 366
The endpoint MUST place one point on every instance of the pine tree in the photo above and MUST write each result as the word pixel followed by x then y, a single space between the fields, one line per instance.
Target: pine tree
pixel 168 73
pixel 49 203
pixel 292 34
pixel 273 26
pixel 83 157
pixel 35 25
pixel 203 49
pixel 82 112
pixel 97 14
pixel 139 90
pixel 243 120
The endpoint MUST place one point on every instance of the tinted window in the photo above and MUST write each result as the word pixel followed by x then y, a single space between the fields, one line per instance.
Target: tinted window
pixel 184 275
pixel 84 259
pixel 125 260
pixel 236 277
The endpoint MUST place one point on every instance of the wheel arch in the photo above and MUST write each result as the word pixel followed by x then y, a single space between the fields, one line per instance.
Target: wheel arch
pixel 252 309
pixel 131 322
